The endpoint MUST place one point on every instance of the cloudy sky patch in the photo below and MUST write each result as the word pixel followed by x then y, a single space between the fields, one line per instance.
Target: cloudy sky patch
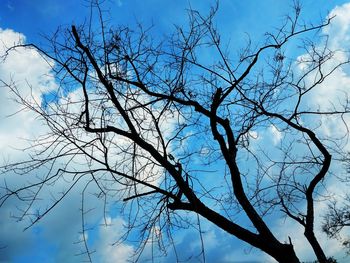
pixel 55 237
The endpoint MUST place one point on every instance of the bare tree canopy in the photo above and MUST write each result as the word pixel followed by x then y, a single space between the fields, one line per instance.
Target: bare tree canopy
pixel 183 130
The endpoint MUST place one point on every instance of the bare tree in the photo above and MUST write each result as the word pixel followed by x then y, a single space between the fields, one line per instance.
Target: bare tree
pixel 336 219
pixel 158 125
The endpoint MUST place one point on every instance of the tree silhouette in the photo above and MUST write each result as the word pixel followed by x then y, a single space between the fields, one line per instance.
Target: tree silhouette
pixel 159 126
pixel 336 219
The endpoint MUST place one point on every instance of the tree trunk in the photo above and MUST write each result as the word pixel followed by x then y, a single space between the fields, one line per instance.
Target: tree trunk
pixel 283 253
pixel 321 257
pixel 287 255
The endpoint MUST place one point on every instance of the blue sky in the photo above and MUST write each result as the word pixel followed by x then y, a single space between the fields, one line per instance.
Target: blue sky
pixel 54 239
pixel 254 17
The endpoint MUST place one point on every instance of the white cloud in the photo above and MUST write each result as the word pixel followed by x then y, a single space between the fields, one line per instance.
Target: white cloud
pixel 303 249
pixel 339 30
pixel 330 93
pixel 108 251
pixel 25 67
pixel 333 92
pixel 31 67
pixel 31 75
pixel 333 89
pixel 276 134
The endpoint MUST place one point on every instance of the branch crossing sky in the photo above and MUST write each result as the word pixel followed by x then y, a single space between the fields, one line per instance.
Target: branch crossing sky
pixel 54 238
